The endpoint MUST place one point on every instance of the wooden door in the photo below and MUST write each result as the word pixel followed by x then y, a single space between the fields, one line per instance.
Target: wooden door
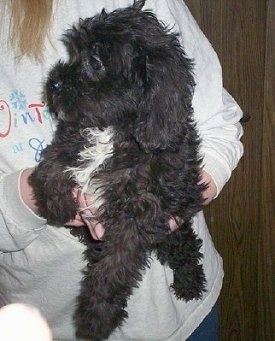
pixel 241 220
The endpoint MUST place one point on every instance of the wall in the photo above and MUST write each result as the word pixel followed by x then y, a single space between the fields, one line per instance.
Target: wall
pixel 241 220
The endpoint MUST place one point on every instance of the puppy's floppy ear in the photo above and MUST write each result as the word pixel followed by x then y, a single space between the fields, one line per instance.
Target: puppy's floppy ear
pixel 167 101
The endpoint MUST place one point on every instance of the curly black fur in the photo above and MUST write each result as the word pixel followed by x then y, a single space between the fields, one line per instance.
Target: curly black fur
pixel 127 71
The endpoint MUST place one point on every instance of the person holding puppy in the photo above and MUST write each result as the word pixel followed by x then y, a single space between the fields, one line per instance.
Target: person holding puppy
pixel 42 265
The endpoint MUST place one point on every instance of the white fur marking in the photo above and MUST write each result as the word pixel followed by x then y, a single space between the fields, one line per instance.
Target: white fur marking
pixel 98 148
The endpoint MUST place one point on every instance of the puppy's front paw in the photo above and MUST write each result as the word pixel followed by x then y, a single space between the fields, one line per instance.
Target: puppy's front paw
pixel 189 282
pixel 61 207
pixel 53 194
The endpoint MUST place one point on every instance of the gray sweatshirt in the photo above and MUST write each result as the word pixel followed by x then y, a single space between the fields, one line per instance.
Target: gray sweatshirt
pixel 41 264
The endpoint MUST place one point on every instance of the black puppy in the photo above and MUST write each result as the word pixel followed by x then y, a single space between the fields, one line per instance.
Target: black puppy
pixel 126 135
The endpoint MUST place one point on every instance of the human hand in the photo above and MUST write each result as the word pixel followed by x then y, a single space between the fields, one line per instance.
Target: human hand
pixel 86 215
pixel 209 194
pixel 174 223
pixel 211 191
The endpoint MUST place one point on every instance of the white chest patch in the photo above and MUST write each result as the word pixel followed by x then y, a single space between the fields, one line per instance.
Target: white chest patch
pixel 98 148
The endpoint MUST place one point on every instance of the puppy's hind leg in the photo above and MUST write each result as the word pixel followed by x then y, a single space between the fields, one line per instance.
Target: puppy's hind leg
pixel 181 252
pixel 114 269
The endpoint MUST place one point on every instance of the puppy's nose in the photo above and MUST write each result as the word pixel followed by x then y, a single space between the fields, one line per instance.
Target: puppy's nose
pixel 56 86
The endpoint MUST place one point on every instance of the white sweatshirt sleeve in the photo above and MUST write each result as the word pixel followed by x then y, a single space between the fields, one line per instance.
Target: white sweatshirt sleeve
pixel 19 226
pixel 216 112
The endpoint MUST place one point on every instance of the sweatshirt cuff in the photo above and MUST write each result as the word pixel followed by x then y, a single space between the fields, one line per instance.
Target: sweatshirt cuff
pixel 219 172
pixel 15 208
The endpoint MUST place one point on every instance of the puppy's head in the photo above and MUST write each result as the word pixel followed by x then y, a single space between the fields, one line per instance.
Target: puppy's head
pixel 124 67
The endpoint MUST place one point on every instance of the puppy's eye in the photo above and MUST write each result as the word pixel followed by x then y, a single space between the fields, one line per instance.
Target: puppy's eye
pixel 95 62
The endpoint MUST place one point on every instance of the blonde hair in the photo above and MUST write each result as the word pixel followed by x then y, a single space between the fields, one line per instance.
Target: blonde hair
pixel 29 26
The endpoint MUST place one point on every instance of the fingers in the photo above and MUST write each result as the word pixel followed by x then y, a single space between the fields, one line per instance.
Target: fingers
pixel 87 214
pixel 173 223
pixel 96 229
pixel 210 192
pixel 76 222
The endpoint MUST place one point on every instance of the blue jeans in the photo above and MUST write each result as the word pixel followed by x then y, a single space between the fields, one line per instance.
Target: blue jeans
pixel 208 330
